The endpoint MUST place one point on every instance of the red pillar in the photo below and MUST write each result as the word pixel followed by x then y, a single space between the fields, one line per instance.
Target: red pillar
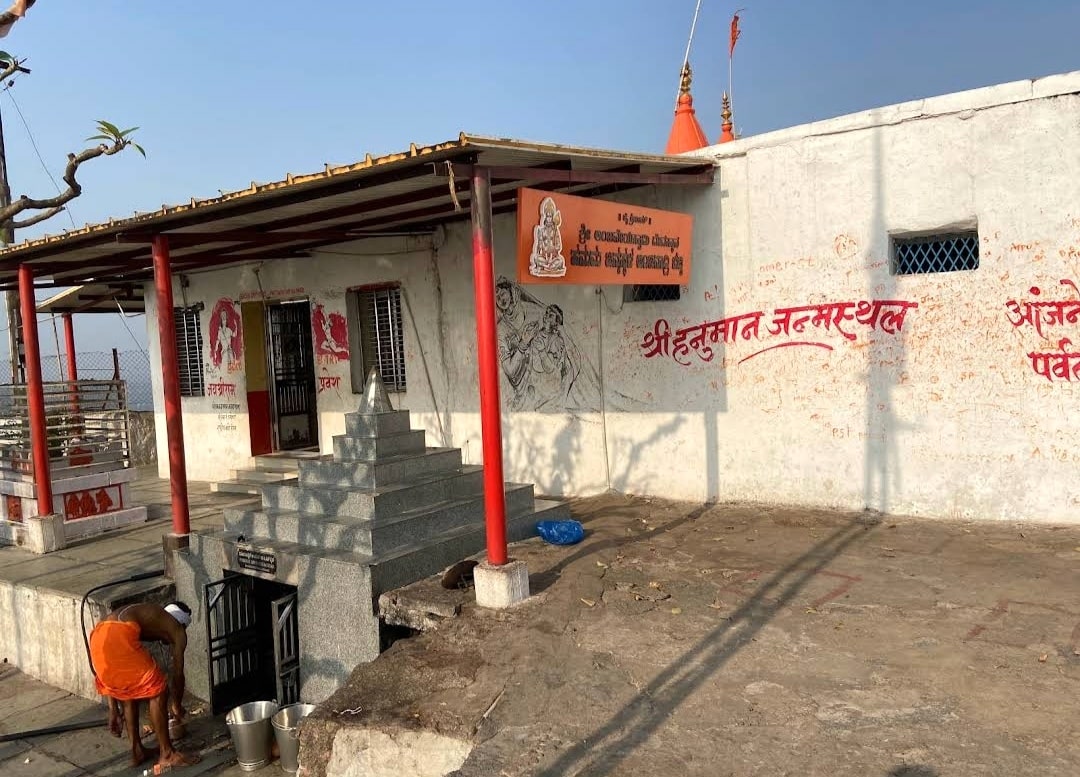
pixel 69 344
pixel 39 437
pixel 174 425
pixel 488 356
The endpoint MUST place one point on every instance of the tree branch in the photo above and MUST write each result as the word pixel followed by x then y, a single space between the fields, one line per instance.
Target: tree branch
pixel 74 188
pixel 36 219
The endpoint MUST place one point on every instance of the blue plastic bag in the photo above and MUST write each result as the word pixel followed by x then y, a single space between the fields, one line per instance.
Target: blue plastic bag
pixel 561 532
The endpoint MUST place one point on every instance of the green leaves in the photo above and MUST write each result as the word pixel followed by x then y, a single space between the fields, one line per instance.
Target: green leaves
pixel 110 133
pixel 110 129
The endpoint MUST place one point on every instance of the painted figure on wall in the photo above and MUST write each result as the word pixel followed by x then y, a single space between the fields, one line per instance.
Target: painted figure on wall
pixel 226 340
pixel 546 259
pixel 331 335
pixel 543 366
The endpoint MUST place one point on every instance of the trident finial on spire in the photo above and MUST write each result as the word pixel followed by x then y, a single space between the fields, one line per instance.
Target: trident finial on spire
pixel 687 77
pixel 726 134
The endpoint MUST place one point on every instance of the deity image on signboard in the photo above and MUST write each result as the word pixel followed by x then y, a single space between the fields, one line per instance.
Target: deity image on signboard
pixel 546 259
pixel 226 341
pixel 541 364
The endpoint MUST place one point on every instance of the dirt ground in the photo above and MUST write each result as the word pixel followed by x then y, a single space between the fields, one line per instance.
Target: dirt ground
pixel 738 640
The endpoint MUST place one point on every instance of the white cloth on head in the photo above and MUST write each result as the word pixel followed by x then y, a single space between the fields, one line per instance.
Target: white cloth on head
pixel 181 617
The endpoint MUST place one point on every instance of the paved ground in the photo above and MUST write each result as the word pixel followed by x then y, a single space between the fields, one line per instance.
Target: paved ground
pixel 743 640
pixel 28 704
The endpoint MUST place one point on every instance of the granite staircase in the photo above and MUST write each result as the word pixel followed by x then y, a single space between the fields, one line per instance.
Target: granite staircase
pixel 396 505
pixel 384 510
pixel 268 468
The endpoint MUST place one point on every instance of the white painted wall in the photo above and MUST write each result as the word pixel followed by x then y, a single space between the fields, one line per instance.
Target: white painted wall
pixel 212 451
pixel 943 418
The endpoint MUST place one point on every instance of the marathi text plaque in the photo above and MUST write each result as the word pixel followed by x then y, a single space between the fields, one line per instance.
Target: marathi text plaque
pixel 257 561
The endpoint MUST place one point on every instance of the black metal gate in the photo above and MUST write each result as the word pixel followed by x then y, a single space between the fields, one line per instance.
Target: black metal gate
pixel 232 642
pixel 286 649
pixel 292 368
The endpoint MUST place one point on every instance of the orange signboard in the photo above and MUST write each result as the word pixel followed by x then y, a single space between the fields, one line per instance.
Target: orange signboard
pixel 567 239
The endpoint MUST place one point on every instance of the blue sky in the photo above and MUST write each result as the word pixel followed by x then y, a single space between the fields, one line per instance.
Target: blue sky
pixel 237 91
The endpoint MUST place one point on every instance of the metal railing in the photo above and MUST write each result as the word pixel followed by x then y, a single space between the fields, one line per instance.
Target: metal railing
pixel 86 425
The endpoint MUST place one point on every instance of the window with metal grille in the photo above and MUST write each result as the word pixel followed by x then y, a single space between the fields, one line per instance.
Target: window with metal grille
pixel 935 253
pixel 378 330
pixel 189 351
pixel 651 292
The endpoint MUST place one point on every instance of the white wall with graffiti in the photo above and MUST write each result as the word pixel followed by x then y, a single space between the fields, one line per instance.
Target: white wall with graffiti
pixel 796 367
pixel 216 426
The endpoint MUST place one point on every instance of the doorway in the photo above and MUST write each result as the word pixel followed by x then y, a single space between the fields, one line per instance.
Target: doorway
pixel 252 639
pixel 294 408
pixel 257 370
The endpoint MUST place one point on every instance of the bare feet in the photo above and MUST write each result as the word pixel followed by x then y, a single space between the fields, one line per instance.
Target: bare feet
pixel 140 755
pixel 116 725
pixel 176 758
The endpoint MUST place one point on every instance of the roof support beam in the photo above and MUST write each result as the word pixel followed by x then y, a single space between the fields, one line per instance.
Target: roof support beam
pixel 701 178
pixel 252 238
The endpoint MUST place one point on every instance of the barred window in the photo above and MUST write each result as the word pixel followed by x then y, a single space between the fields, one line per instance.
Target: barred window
pixel 189 351
pixel 935 253
pixel 377 330
pixel 651 292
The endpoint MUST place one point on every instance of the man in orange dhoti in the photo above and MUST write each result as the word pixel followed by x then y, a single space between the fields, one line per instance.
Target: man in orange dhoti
pixel 125 673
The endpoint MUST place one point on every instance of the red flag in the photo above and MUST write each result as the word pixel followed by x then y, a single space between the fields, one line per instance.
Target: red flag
pixel 735 33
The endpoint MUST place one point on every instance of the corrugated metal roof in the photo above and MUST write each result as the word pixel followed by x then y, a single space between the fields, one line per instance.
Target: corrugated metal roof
pixel 394 192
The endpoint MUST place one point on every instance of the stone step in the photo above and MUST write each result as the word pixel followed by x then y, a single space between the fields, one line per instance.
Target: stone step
pixel 234 486
pixel 248 481
pixel 259 476
pixel 280 462
pixel 408 563
pixel 376 424
pixel 371 448
pixel 375 503
pixel 367 536
pixel 415 561
pixel 367 474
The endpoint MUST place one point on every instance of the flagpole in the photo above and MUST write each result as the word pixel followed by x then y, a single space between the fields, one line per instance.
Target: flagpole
pixel 686 56
pixel 729 79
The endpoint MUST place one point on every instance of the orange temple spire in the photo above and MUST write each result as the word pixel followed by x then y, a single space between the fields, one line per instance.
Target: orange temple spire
pixel 686 133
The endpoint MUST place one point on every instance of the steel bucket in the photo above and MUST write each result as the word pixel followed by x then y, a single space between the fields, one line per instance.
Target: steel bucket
pixel 286 731
pixel 249 726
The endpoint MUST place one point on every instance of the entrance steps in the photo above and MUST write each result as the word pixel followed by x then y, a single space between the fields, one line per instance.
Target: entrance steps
pixel 384 510
pixel 273 468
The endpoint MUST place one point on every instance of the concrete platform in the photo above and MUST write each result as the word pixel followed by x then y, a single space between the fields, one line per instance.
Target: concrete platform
pixel 737 640
pixel 40 596
pixel 31 705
